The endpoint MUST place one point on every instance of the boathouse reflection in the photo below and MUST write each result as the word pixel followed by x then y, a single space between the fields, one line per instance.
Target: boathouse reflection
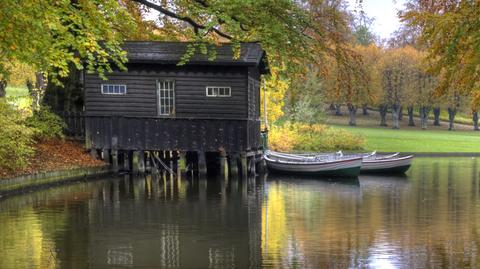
pixel 157 221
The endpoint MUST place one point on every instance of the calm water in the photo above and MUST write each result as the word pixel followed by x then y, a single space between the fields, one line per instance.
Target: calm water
pixel 430 218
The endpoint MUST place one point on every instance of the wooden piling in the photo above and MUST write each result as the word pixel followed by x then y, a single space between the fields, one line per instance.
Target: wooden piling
pixel 175 166
pixel 135 162
pixel 253 164
pixel 106 156
pixel 223 164
pixel 114 156
pixel 233 164
pixel 141 162
pixel 182 166
pixel 243 164
pixel 202 163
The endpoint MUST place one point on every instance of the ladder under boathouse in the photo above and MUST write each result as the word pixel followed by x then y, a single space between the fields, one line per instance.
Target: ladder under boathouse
pixel 206 111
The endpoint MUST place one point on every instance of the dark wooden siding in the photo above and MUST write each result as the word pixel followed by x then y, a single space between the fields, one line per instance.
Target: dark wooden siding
pixel 190 95
pixel 152 133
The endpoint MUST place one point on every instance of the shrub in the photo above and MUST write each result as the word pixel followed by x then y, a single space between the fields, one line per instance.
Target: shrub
pixel 47 125
pixel 16 139
pixel 282 138
pixel 312 137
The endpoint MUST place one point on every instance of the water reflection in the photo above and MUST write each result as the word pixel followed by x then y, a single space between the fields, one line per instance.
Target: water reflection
pixel 426 219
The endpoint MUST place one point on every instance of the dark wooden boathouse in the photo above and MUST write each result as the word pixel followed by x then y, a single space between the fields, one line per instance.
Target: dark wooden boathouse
pixel 202 107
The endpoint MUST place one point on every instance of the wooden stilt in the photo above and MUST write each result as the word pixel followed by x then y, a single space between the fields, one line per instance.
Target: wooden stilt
pixel 135 162
pixel 252 171
pixel 128 161
pixel 114 156
pixel 223 165
pixel 233 164
pixel 202 163
pixel 182 162
pixel 141 162
pixel 175 166
pixel 106 156
pixel 243 163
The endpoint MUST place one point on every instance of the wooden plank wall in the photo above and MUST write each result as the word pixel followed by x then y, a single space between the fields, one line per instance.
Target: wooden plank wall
pixel 140 133
pixel 190 95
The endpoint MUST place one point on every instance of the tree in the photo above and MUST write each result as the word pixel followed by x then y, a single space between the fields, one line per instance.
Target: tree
pixel 51 35
pixel 397 69
pixel 449 31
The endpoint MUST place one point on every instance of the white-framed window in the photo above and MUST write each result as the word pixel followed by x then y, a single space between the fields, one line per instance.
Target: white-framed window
pixel 166 97
pixel 114 89
pixel 218 91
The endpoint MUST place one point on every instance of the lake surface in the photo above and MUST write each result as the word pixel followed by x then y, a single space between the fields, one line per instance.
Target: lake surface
pixel 429 218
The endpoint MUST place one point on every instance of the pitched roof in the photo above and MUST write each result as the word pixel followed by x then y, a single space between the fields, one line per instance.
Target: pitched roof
pixel 251 54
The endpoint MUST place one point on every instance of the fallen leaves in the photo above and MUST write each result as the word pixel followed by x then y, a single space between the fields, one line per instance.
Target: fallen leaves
pixel 56 154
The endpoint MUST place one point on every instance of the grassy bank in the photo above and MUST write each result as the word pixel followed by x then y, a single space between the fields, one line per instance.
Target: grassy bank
pixel 388 140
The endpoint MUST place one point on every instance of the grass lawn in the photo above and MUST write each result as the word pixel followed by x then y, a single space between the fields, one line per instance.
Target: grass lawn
pixel 18 96
pixel 13 91
pixel 389 140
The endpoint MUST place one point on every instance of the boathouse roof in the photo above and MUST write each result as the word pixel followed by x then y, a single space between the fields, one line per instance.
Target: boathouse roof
pixel 160 52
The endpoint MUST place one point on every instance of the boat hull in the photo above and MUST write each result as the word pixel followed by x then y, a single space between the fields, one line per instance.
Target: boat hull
pixel 387 166
pixel 342 168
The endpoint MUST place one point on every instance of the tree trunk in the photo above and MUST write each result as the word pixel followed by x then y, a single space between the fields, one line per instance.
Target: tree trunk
pixel 383 115
pixel 424 111
pixel 365 110
pixel 338 110
pixel 411 122
pixel 395 114
pixel 3 88
pixel 352 111
pixel 400 113
pixel 451 118
pixel 475 121
pixel 436 116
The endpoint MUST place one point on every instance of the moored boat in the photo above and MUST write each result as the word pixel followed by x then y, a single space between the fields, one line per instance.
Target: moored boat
pixel 371 162
pixel 327 166
pixel 396 165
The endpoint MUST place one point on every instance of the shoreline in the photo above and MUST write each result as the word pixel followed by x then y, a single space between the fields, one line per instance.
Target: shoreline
pixel 25 183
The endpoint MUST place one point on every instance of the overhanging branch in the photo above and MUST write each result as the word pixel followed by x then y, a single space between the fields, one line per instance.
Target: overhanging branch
pixel 186 19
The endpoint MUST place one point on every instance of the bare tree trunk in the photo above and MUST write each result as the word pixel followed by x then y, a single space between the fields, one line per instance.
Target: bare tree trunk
pixel 365 109
pixel 411 122
pixel 395 112
pixel 475 121
pixel 3 88
pixel 451 118
pixel 400 113
pixel 338 110
pixel 352 111
pixel 383 115
pixel 436 116
pixel 424 111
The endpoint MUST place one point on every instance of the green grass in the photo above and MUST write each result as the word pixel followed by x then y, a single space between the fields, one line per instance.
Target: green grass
pixel 13 91
pixel 388 140
pixel 19 97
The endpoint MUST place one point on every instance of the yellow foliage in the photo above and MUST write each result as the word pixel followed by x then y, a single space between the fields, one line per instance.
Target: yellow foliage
pixel 283 138
pixel 19 74
pixel 314 137
pixel 276 88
